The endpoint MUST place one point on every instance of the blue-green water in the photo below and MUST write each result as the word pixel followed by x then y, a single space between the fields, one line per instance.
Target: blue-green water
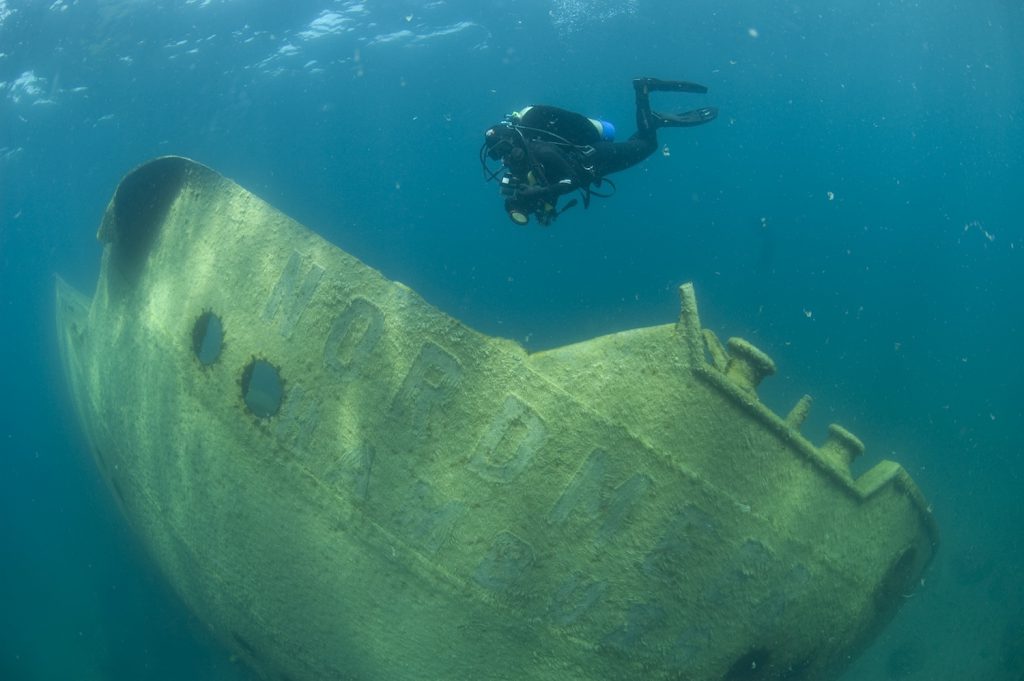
pixel 853 211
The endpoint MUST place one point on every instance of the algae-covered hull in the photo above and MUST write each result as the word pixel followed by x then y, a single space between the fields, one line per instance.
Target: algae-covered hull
pixel 346 483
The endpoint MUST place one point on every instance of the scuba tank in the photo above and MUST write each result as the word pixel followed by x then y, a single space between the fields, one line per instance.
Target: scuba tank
pixel 566 126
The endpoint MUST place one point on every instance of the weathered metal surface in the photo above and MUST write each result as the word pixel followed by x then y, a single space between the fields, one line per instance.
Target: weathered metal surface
pixel 426 502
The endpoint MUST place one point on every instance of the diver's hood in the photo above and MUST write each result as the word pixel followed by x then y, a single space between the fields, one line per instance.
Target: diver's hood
pixel 499 140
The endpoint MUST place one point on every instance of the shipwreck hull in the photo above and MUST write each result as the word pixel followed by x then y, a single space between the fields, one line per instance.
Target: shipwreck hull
pixel 345 483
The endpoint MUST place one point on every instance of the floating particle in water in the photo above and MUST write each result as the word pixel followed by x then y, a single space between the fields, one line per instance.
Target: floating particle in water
pixel 976 224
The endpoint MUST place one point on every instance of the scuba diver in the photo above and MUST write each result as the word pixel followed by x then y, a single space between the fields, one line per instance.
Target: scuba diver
pixel 546 152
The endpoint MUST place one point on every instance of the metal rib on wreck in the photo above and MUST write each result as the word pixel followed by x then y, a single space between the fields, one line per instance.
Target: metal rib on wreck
pixel 345 483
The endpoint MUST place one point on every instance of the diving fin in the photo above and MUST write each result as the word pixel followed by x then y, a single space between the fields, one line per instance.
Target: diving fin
pixel 657 85
pixel 685 119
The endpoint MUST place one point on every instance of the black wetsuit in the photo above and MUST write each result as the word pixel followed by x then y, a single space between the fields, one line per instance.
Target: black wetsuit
pixel 584 159
pixel 550 151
